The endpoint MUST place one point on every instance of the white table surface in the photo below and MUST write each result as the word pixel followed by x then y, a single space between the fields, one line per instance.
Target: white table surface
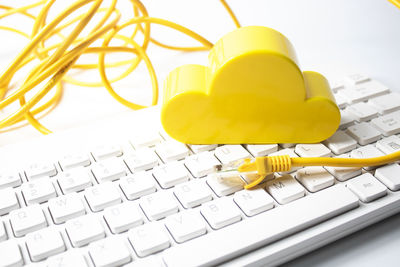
pixel 332 37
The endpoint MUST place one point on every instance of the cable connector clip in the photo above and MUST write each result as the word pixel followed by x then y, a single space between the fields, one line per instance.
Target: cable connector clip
pixel 265 166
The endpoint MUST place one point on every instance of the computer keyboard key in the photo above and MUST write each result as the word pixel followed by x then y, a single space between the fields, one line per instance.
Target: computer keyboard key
pixel 346 119
pixel 340 101
pixel 286 145
pixel 254 201
pixel 312 150
pixel 202 148
pixel 75 180
pixel 66 207
pixel 109 252
pixel 172 150
pixel 364 133
pixel 152 260
pixel 70 161
pixel 362 111
pixel 11 254
pixel 367 187
pixel 193 193
pixel 225 183
pixel 141 160
pixel 44 243
pixel 145 138
pixel 220 212
pixel 389 175
pixel 171 174
pixel 389 144
pixel 329 205
pixel 386 103
pixel 285 189
pixel 9 179
pixel 357 78
pixel 123 217
pixel 159 205
pixel 201 164
pixel 8 201
pixel 314 178
pixel 71 258
pixel 261 150
pixel 186 225
pixel 38 191
pixel 337 85
pixel 138 185
pixel 368 151
pixel 102 152
pixel 26 220
pixel 343 173
pixel 84 230
pixel 40 169
pixel 340 142
pixel 3 233
pixel 388 124
pixel 102 196
pixel 149 238
pixel 363 92
pixel 109 170
pixel 229 154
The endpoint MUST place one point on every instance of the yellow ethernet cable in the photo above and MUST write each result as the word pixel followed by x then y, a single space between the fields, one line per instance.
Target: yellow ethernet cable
pixel 283 163
pixel 49 61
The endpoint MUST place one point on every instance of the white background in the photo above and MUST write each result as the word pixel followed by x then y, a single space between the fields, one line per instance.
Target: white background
pixel 332 37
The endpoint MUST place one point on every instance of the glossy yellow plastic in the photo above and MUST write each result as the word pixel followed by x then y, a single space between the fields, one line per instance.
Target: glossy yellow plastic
pixel 252 92
pixel 395 2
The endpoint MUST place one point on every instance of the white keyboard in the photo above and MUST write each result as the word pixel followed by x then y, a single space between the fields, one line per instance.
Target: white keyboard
pixel 122 192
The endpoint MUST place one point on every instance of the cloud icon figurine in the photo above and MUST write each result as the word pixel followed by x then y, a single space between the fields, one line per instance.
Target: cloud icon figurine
pixel 252 92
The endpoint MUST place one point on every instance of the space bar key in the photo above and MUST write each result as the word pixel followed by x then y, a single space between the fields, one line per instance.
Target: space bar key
pixel 262 229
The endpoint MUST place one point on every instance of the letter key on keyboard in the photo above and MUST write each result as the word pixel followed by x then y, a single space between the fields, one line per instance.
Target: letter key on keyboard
pixel 186 225
pixel 110 251
pixel 149 238
pixel 8 201
pixel 27 220
pixel 66 207
pixel 44 243
pixel 84 230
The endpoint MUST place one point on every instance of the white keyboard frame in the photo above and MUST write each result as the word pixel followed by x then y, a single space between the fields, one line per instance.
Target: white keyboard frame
pixel 52 147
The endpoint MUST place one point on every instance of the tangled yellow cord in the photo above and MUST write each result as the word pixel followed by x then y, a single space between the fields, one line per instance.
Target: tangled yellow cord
pixel 55 60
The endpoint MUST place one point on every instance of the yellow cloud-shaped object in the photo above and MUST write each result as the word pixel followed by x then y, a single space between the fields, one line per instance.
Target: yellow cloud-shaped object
pixel 252 92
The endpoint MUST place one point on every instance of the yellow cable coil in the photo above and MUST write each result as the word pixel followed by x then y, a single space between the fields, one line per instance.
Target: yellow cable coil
pixel 54 60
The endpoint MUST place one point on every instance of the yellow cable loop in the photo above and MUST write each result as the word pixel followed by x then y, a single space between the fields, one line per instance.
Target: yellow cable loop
pixel 12 11
pixel 134 63
pixel 52 62
pixel 60 66
pixel 59 75
pixel 230 12
pixel 142 54
pixel 56 66
pixel 45 109
pixel 6 76
pixel 20 11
